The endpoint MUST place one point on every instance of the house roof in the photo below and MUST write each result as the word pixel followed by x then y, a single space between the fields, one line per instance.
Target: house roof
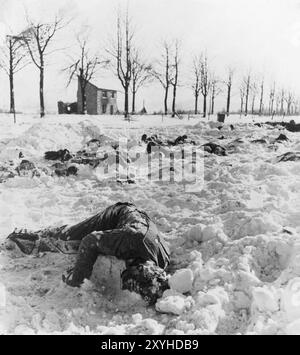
pixel 102 89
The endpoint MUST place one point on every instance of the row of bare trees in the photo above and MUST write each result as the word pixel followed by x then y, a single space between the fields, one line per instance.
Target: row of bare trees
pixel 125 58
pixel 279 101
pixel 33 43
pixel 166 71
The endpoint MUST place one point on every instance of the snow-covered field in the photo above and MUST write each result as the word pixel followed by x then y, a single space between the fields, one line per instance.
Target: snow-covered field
pixel 235 244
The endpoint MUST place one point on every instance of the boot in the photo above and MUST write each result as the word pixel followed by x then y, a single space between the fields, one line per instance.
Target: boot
pixel 26 241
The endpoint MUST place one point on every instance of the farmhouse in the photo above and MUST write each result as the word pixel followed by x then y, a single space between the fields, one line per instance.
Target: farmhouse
pixel 98 101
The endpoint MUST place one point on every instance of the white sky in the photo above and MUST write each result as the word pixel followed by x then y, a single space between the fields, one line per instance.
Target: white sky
pixel 258 35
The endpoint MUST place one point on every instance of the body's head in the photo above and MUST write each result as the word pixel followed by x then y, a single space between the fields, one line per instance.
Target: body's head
pixel 146 279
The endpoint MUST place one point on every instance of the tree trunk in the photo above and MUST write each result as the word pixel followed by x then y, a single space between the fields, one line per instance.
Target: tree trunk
pixel 133 102
pixel 42 101
pixel 166 100
pixel 83 99
pixel 247 96
pixel 246 104
pixel 228 100
pixel 261 100
pixel 253 106
pixel 204 105
pixel 174 101
pixel 196 104
pixel 213 105
pixel 11 80
pixel 12 94
pixel 126 108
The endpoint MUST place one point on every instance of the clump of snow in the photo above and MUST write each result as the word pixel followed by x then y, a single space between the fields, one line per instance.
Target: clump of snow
pixel 182 281
pixel 174 303
pixel 2 296
pixel 195 233
pixel 291 299
pixel 265 299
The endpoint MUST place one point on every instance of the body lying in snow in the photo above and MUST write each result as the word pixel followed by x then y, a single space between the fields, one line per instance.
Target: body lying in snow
pixel 289 157
pixel 216 149
pixel 122 231
pixel 154 141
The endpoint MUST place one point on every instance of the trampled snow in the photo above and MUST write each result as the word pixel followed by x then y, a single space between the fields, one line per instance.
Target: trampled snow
pixel 235 243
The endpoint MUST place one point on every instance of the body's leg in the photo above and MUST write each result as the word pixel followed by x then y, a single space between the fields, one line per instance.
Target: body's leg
pixel 89 251
pixel 84 228
pixel 105 220
pixel 58 239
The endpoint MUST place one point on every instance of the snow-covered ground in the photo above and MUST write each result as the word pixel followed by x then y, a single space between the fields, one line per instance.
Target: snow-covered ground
pixel 235 244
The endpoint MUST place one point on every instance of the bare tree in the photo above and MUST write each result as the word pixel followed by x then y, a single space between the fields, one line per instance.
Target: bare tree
pixel 254 92
pixel 278 101
pixel 121 50
pixel 247 83
pixel 289 101
pixel 141 75
pixel 84 67
pixel 204 82
pixel 229 89
pixel 296 107
pixel 215 91
pixel 282 100
pixel 272 97
pixel 12 62
pixel 162 72
pixel 261 99
pixel 175 76
pixel 196 85
pixel 242 97
pixel 37 39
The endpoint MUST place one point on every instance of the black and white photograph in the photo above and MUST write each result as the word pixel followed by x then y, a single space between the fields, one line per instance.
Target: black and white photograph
pixel 149 170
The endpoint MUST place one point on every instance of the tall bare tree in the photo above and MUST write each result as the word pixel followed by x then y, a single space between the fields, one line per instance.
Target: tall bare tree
pixel 261 99
pixel 247 83
pixel 272 98
pixel 13 61
pixel 37 39
pixel 175 75
pixel 289 102
pixel 228 84
pixel 163 73
pixel 204 82
pixel 141 75
pixel 215 91
pixel 242 97
pixel 254 92
pixel 282 100
pixel 121 50
pixel 84 67
pixel 278 101
pixel 196 83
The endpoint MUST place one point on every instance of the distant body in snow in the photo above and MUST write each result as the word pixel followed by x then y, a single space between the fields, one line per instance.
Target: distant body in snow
pixel 121 230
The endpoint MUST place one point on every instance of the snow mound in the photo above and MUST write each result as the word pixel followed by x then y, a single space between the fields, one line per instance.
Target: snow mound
pixel 174 303
pixel 182 281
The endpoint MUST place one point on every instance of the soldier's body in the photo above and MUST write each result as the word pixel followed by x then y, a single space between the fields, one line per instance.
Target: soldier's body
pixel 122 231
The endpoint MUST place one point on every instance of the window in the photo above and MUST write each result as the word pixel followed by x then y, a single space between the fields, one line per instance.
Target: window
pixel 112 94
pixel 104 108
pixel 104 94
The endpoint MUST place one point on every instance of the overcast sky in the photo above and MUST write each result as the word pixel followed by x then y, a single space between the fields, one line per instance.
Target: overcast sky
pixel 258 35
